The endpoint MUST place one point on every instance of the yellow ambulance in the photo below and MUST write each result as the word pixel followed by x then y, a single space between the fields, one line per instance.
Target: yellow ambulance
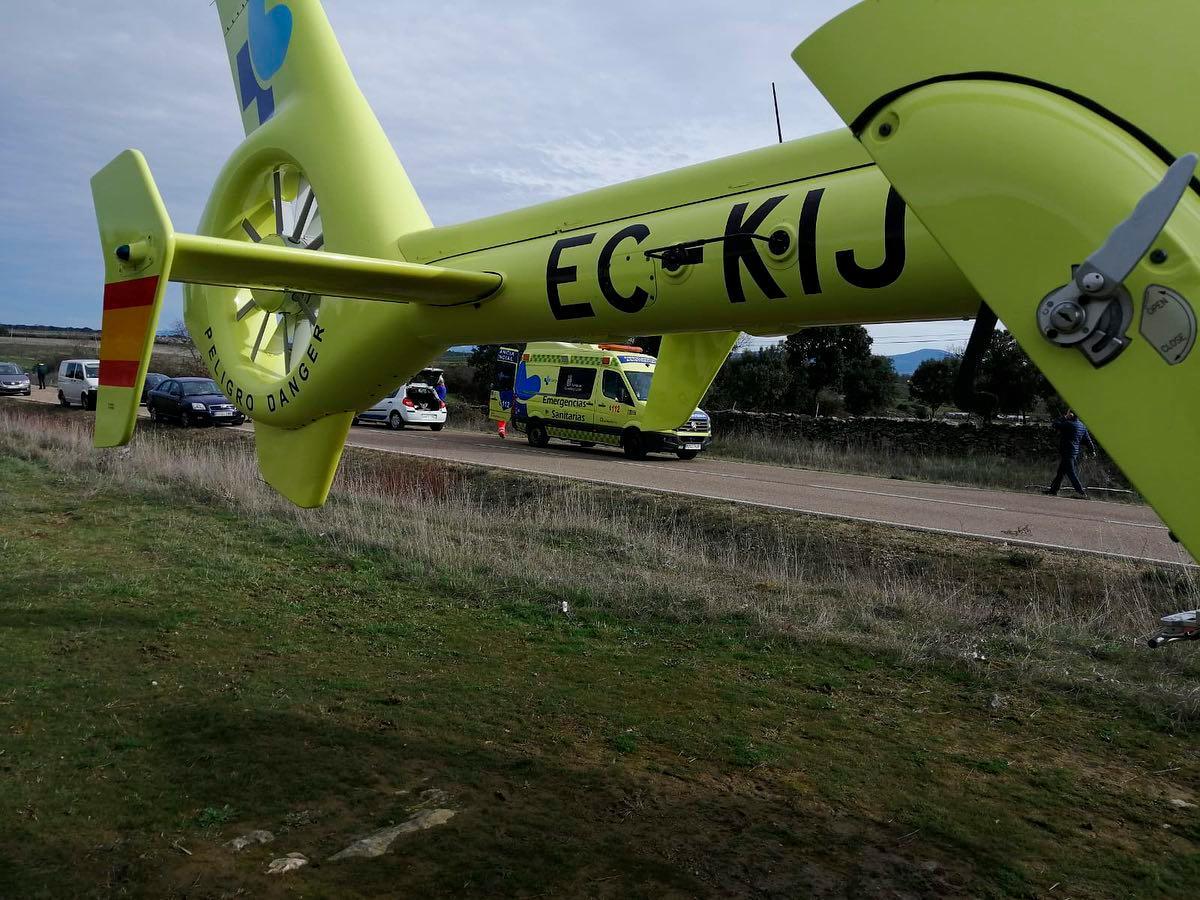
pixel 587 394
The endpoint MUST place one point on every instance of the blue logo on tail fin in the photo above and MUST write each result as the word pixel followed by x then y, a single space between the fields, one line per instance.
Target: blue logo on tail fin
pixel 270 35
pixel 263 55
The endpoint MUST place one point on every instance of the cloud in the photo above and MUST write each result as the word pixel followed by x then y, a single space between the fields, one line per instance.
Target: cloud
pixel 490 106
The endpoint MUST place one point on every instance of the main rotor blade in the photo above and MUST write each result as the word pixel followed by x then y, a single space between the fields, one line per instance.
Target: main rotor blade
pixel 278 201
pixel 251 231
pixel 261 332
pixel 245 310
pixel 304 211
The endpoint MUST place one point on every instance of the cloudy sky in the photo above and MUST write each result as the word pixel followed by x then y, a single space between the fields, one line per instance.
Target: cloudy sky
pixel 491 106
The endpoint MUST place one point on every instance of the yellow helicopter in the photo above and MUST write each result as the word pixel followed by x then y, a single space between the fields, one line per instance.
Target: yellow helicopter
pixel 1024 159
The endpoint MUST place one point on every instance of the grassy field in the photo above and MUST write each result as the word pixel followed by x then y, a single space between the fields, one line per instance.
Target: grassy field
pixel 736 702
pixel 170 359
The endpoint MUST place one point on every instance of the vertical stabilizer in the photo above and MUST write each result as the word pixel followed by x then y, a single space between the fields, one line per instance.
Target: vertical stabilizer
pixel 138 244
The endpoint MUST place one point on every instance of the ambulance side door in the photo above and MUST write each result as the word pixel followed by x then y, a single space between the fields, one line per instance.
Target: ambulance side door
pixel 569 408
pixel 614 405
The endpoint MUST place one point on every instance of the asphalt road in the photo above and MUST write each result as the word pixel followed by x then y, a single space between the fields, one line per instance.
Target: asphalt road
pixel 1015 518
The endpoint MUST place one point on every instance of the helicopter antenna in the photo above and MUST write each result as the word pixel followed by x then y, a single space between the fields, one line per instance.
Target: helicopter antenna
pixel 778 126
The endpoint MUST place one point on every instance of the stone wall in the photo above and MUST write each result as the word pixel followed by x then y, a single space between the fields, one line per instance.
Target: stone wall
pixel 932 438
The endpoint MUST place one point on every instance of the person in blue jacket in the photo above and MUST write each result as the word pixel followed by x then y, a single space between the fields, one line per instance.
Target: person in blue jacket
pixel 440 388
pixel 1072 438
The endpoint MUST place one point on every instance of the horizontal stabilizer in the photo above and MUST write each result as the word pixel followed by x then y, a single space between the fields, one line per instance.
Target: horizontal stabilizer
pixel 208 260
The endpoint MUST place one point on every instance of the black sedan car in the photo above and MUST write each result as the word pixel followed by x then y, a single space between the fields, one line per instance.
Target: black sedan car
pixel 192 401
pixel 153 380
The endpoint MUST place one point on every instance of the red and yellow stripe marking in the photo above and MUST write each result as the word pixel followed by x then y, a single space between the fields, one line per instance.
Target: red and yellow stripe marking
pixel 128 313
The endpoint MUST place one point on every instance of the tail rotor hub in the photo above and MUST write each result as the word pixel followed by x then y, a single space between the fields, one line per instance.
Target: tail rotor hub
pixel 276 326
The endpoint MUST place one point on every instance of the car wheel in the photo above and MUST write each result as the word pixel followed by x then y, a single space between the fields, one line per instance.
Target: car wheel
pixel 83 400
pixel 686 454
pixel 153 413
pixel 633 445
pixel 186 419
pixel 537 435
pixel 62 398
pixel 586 444
pixel 354 421
pixel 436 426
pixel 396 421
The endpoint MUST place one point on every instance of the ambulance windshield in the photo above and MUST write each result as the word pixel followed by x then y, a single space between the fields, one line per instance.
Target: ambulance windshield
pixel 640 382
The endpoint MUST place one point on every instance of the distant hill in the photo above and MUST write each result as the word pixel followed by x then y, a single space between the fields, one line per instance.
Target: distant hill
pixel 906 363
pixel 44 330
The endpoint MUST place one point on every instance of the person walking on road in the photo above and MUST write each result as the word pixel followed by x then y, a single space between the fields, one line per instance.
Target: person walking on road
pixel 40 370
pixel 1073 436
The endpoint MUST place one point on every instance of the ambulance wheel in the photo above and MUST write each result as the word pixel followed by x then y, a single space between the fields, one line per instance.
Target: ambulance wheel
pixel 396 421
pixel 633 445
pixel 537 435
pixel 686 454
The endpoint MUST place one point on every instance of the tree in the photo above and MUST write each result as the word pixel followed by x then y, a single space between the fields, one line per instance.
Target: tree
pixel 483 363
pixel 755 380
pixel 870 386
pixel 933 382
pixel 819 358
pixel 1010 375
pixel 192 362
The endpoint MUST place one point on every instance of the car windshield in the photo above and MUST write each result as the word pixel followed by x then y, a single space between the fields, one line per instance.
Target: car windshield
pixel 196 388
pixel 93 370
pixel 640 382
pixel 9 369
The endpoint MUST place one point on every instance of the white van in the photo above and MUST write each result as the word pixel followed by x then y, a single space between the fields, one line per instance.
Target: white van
pixel 78 381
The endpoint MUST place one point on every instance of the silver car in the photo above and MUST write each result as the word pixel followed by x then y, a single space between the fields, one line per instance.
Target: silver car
pixel 13 380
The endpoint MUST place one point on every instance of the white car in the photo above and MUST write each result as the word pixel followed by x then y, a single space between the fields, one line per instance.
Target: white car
pixel 415 403
pixel 78 381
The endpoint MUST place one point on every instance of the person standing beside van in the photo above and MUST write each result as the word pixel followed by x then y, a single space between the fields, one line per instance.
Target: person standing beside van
pixel 40 370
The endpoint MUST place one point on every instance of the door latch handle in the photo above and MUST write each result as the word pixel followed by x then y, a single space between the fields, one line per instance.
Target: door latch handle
pixel 1093 311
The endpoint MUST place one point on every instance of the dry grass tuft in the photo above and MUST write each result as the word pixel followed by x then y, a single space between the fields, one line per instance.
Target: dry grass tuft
pixel 985 471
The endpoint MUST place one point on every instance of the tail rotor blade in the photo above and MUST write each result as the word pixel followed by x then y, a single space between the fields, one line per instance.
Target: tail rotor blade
pixel 308 311
pixel 287 344
pixel 302 221
pixel 258 340
pixel 278 201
